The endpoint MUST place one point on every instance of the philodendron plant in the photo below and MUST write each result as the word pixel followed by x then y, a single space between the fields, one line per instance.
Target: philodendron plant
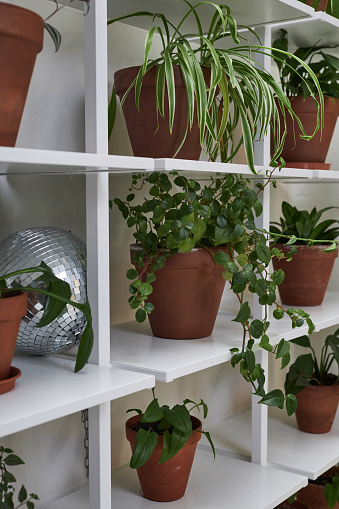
pixel 239 91
pixel 58 294
pixel 178 213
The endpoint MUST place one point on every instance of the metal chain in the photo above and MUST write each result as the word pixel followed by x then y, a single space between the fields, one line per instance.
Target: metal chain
pixel 84 420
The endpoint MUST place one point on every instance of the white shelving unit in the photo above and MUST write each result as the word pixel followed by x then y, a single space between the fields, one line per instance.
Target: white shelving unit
pixel 58 392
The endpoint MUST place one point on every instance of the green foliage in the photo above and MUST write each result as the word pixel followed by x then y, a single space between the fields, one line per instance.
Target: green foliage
pixel 238 92
pixel 308 370
pixel 303 227
pixel 58 296
pixel 179 214
pixel 173 423
pixel 331 490
pixel 296 79
pixel 7 480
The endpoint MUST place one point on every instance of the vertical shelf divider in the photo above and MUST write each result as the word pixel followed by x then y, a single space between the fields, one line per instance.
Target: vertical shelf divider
pixel 262 158
pixel 97 228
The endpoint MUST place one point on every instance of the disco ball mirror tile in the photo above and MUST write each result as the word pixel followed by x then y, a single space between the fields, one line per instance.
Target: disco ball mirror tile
pixel 65 254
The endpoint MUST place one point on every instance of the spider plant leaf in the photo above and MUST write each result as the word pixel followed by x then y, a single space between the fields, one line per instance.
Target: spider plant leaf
pixel 160 89
pixel 134 14
pixel 112 110
pixel 247 133
pixel 169 74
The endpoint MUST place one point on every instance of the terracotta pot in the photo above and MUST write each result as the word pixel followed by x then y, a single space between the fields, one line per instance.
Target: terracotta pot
pixel 310 154
pixel 21 38
pixel 313 496
pixel 13 307
pixel 322 4
pixel 306 275
pixel 317 406
pixel 186 295
pixel 149 135
pixel 168 481
pixel 293 505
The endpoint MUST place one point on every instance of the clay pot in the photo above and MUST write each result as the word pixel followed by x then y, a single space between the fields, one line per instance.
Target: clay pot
pixel 313 496
pixel 306 275
pixel 168 481
pixel 317 406
pixel 322 4
pixel 186 295
pixel 13 306
pixel 149 134
pixel 309 154
pixel 21 39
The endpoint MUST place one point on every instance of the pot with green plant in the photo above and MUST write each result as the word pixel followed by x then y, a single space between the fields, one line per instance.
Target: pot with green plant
pixel 315 387
pixel 163 442
pixel 330 6
pixel 196 90
pixel 299 152
pixel 21 39
pixel 323 493
pixel 7 480
pixel 305 250
pixel 13 306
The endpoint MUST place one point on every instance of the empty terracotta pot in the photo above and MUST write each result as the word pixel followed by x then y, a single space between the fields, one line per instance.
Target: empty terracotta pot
pixel 168 481
pixel 21 39
pixel 13 306
pixel 309 154
pixel 186 295
pixel 317 406
pixel 306 275
pixel 149 134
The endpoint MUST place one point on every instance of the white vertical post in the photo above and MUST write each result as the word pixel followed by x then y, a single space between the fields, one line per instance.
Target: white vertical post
pixel 261 158
pixel 97 226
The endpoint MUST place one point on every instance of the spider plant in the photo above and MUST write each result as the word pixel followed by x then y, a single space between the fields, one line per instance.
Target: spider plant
pixel 238 89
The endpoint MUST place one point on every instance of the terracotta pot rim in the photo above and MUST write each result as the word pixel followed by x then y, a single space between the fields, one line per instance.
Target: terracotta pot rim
pixel 33 35
pixel 18 298
pixel 194 438
pixel 316 249
pixel 318 389
pixel 137 247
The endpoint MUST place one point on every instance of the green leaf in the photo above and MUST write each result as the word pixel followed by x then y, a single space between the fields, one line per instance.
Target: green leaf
pixel 186 245
pixel 331 248
pixel 302 341
pixel 242 259
pixel 256 328
pixel 292 240
pixel 278 314
pixel 291 404
pixel 273 398
pixel 209 438
pixel 264 253
pixel 150 277
pixel 140 315
pixel 22 494
pixel 153 412
pixel 131 274
pixel 265 343
pixel 13 460
pixel 278 277
pixel 55 35
pixel 172 444
pixel 221 258
pixel 250 359
pixel 180 418
pixel 145 289
pixel 243 314
pixel 283 348
pixel 144 446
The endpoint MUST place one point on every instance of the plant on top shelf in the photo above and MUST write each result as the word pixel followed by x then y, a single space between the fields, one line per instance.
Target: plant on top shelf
pixel 7 489
pixel 298 85
pixel 213 88
pixel 163 442
pixel 58 294
pixel 176 219
pixel 305 249
pixel 316 388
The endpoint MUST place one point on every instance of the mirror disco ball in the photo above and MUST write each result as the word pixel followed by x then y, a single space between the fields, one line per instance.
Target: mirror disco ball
pixel 65 254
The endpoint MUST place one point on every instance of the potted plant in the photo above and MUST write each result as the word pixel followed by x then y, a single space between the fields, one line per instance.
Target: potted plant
pixel 330 6
pixel 7 489
pixel 163 442
pixel 21 39
pixel 316 388
pixel 323 493
pixel 176 218
pixel 195 92
pixel 13 306
pixel 301 234
pixel 299 152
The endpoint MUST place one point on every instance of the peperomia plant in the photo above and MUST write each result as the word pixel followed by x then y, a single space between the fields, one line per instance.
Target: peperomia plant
pixel 58 294
pixel 180 214
pixel 7 489
pixel 173 423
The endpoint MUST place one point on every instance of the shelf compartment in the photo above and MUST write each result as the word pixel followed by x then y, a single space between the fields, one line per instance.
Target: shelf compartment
pixel 288 448
pixel 58 391
pixel 217 484
pixel 134 348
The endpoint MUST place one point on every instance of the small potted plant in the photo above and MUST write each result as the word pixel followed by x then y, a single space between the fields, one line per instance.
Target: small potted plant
pixel 163 442
pixel 13 306
pixel 198 92
pixel 21 32
pixel 316 388
pixel 299 152
pixel 7 489
pixel 305 250
pixel 323 493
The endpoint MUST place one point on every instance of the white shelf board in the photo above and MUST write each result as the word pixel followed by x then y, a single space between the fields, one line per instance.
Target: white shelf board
pixel 28 161
pixel 320 27
pixel 211 485
pixel 58 391
pixel 288 448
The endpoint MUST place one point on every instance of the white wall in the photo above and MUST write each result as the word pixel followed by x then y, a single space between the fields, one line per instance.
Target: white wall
pixel 54 118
